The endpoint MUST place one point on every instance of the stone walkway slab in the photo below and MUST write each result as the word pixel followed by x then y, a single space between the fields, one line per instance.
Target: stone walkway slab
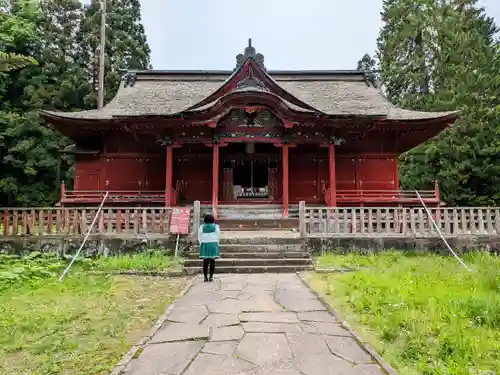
pixel 252 325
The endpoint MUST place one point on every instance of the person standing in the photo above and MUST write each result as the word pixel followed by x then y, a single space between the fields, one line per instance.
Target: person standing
pixel 208 238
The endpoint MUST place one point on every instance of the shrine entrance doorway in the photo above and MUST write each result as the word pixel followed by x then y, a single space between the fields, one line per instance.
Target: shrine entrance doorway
pixel 250 173
pixel 250 178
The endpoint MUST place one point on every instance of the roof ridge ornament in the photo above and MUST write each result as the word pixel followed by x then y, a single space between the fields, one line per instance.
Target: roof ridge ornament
pixel 129 78
pixel 250 53
pixel 370 78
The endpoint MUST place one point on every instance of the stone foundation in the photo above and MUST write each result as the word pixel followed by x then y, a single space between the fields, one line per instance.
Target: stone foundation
pixel 97 245
pixel 461 244
pixel 112 245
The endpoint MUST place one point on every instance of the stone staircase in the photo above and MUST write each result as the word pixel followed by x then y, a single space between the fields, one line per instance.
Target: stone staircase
pixel 256 239
pixel 249 254
pixel 255 217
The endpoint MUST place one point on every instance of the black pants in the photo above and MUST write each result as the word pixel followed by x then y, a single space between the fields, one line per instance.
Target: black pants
pixel 206 263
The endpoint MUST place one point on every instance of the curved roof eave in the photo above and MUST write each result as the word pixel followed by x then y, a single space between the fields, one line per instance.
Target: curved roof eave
pixel 394 115
pixel 246 93
pixel 404 115
pixel 89 115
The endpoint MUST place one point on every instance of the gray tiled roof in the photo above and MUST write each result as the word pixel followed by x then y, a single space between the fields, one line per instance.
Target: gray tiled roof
pixel 330 93
pixel 339 97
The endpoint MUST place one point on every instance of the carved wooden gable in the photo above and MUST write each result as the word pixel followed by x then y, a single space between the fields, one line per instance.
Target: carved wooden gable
pixel 242 119
pixel 250 122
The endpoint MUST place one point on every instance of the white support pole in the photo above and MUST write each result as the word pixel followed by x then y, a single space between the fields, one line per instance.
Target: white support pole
pixel 440 233
pixel 102 56
pixel 85 239
pixel 177 245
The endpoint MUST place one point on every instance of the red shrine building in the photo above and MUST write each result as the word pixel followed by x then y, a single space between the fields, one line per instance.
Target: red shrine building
pixel 246 136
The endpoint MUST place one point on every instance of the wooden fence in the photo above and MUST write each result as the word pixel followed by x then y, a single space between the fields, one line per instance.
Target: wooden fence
pixel 314 221
pixel 398 222
pixel 76 221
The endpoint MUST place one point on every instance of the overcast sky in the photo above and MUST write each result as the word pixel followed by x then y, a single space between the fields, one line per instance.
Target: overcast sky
pixel 292 34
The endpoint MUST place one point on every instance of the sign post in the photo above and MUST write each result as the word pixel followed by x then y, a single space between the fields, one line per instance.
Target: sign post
pixel 179 224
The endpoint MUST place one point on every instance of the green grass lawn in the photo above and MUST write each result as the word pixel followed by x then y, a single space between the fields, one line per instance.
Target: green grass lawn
pixel 151 261
pixel 83 325
pixel 425 314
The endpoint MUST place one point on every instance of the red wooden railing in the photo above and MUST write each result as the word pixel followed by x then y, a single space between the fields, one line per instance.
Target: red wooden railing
pixel 344 197
pixel 118 196
pixel 76 221
pixel 89 196
pixel 381 197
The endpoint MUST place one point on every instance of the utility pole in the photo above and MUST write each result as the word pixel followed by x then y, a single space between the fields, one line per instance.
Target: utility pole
pixel 100 101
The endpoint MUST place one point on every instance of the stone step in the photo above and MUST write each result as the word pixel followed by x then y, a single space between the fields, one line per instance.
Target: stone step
pixel 253 224
pixel 260 238
pixel 261 255
pixel 257 248
pixel 244 207
pixel 249 207
pixel 270 215
pixel 252 262
pixel 251 269
pixel 254 229
pixel 251 211
pixel 253 251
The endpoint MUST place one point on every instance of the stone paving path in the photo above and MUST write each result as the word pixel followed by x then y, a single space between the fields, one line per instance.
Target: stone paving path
pixel 255 324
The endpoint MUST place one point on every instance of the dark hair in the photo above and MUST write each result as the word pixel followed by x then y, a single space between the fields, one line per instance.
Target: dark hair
pixel 209 219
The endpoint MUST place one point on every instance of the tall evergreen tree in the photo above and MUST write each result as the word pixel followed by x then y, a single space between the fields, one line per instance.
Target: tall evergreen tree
pixel 63 37
pixel 16 26
pixel 366 63
pixel 126 45
pixel 35 164
pixel 441 56
pixel 406 49
pixel 58 82
pixel 369 65
pixel 18 23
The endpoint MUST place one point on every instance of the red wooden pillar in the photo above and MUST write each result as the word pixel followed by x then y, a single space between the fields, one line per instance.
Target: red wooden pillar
pixel 331 168
pixel 169 165
pixel 285 179
pixel 396 174
pixel 215 179
pixel 63 191
pixel 436 192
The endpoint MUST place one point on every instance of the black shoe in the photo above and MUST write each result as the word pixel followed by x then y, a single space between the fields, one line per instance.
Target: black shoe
pixel 206 279
pixel 211 279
